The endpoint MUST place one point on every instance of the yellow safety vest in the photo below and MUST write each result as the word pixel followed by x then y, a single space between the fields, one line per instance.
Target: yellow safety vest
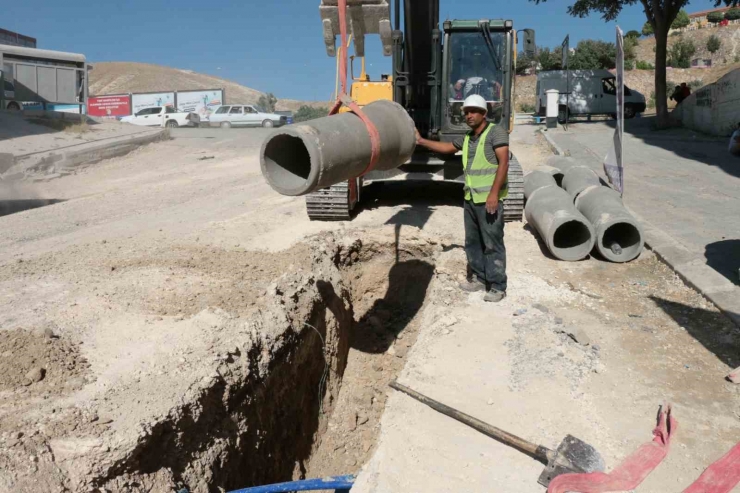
pixel 480 174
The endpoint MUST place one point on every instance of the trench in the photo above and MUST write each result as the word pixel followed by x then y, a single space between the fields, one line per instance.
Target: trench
pixel 314 408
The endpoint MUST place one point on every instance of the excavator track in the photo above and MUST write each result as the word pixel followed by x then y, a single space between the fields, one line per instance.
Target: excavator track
pixel 330 204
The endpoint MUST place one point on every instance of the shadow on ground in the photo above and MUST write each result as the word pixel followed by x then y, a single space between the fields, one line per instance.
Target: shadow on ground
pixel 713 330
pixel 724 257
pixel 684 142
pixel 12 206
pixel 408 282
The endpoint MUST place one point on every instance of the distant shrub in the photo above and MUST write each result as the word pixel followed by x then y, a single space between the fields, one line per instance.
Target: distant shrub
pixel 680 53
pixel 526 108
pixel 651 101
pixel 644 65
pixel 713 44
pixel 695 84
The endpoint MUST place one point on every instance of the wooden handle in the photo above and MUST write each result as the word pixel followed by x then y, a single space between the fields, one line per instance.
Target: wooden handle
pixel 533 450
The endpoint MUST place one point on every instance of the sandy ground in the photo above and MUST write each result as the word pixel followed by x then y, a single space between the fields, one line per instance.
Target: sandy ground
pixel 124 292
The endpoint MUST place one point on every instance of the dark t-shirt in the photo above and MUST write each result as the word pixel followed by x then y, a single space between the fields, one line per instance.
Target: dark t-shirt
pixel 497 137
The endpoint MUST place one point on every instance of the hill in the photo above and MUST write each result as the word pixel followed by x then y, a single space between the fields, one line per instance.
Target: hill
pixel 729 51
pixel 125 77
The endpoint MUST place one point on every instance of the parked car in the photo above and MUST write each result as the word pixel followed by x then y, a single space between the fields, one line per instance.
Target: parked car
pixel 245 115
pixel 592 92
pixel 288 114
pixel 163 116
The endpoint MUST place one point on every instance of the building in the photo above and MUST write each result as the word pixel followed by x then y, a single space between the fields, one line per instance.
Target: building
pixel 15 39
pixel 698 20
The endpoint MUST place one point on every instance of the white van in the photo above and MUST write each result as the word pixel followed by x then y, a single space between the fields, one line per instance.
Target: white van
pixel 592 92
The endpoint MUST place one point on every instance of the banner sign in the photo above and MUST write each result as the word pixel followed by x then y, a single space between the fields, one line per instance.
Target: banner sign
pixel 613 164
pixel 141 101
pixel 109 106
pixel 200 102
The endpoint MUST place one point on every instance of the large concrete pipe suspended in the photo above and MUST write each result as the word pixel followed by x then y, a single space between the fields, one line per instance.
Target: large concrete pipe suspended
pixel 299 159
pixel 576 179
pixel 619 237
pixel 566 232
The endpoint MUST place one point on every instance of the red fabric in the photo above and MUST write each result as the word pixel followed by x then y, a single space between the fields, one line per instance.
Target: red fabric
pixel 734 375
pixel 721 476
pixel 631 472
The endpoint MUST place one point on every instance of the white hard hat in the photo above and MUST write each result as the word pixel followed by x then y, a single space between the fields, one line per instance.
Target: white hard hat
pixel 475 101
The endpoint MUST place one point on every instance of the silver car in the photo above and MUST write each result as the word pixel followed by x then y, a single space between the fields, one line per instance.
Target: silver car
pixel 244 115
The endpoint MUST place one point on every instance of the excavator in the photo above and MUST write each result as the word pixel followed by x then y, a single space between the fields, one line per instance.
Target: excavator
pixel 433 71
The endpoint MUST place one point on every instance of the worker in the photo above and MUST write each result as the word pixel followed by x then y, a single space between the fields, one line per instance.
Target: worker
pixel 677 95
pixel 485 154
pixel 685 90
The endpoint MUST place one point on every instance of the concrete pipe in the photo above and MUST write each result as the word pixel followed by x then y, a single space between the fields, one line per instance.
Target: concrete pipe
pixel 578 178
pixel 299 159
pixel 619 237
pixel 535 180
pixel 567 234
pixel 555 172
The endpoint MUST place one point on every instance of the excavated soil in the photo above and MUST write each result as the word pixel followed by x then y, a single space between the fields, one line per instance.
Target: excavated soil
pixel 278 372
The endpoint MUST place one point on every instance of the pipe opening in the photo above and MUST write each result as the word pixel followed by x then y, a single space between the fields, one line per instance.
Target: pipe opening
pixel 572 234
pixel 622 240
pixel 558 179
pixel 287 162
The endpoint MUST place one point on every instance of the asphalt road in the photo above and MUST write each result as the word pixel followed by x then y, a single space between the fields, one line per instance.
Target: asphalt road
pixel 682 182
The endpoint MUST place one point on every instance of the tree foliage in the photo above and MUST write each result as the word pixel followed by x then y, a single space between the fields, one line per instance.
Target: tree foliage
pixel 267 102
pixel 681 52
pixel 713 44
pixel 682 20
pixel 647 29
pixel 592 54
pixel 732 14
pixel 306 113
pixel 549 59
pixel 715 17
pixel 632 34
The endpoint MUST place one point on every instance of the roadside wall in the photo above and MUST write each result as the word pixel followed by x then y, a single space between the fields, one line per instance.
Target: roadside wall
pixel 713 109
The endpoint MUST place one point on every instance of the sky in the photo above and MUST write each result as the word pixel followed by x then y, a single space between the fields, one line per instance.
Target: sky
pixel 270 45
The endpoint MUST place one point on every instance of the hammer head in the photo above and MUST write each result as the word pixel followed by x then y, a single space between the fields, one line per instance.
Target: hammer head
pixel 572 456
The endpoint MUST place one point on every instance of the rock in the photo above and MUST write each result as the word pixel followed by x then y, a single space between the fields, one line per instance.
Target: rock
pixel 490 402
pixel 49 334
pixel 367 445
pixel 541 307
pixel 558 321
pixel 445 331
pixel 596 347
pixel 362 419
pixel 401 352
pixel 520 312
pixel 734 375
pixel 352 421
pixel 34 375
pixel 391 350
pixel 578 335
pixel 448 321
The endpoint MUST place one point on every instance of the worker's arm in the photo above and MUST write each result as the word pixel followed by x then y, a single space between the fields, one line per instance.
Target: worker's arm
pixel 436 146
pixel 502 154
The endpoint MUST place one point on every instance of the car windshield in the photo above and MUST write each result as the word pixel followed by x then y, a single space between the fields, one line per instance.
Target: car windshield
pixel 475 69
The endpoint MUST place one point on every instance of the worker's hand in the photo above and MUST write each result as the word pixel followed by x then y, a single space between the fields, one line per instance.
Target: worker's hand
pixel 492 203
pixel 418 136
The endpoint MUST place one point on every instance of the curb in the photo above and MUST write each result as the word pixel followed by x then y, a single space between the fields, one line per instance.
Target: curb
pixel 53 164
pixel 556 149
pixel 691 268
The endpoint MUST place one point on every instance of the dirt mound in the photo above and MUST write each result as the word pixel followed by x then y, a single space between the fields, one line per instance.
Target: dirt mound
pixel 40 361
pixel 126 77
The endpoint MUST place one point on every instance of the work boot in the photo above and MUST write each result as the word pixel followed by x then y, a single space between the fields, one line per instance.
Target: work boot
pixel 472 285
pixel 494 295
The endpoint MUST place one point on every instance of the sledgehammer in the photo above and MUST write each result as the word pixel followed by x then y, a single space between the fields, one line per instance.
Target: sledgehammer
pixel 572 455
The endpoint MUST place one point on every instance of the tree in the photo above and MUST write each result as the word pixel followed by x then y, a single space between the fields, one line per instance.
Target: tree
pixel 681 52
pixel 267 102
pixel 647 29
pixel 715 17
pixel 682 20
pixel 549 60
pixel 306 113
pixel 632 34
pixel 523 62
pixel 713 44
pixel 732 14
pixel 660 14
pixel 592 54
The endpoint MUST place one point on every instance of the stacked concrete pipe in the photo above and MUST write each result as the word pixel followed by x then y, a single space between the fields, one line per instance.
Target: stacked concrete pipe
pixel 619 237
pixel 299 159
pixel 566 232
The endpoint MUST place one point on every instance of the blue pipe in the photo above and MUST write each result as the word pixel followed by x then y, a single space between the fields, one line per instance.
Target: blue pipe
pixel 340 483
